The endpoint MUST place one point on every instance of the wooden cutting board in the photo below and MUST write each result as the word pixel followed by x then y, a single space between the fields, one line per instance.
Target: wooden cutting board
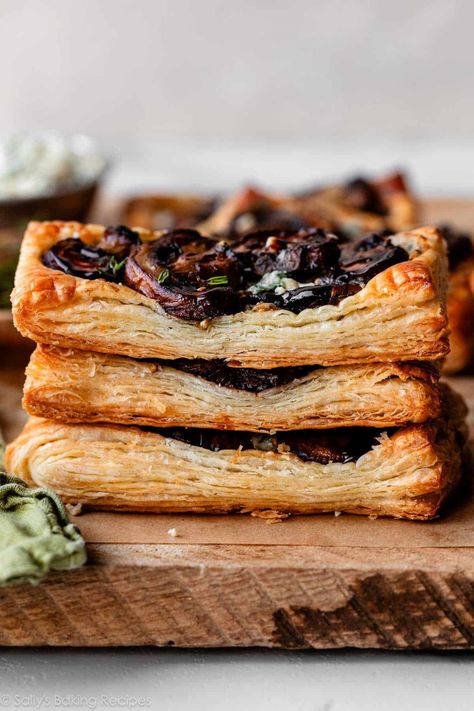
pixel 320 582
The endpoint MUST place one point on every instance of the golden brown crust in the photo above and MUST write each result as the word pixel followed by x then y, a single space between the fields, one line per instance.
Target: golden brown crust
pixel 399 315
pixel 407 475
pixel 460 308
pixel 79 386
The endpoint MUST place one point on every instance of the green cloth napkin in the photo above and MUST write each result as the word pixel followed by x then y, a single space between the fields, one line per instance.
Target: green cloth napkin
pixel 35 533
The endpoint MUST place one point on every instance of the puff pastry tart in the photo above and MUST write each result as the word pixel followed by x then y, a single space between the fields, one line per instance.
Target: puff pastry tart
pixel 405 473
pixel 266 301
pixel 460 300
pixel 79 386
pixel 250 209
pixel 351 208
pixel 167 211
pixel 361 205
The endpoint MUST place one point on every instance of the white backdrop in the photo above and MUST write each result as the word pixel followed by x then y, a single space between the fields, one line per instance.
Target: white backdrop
pixel 355 81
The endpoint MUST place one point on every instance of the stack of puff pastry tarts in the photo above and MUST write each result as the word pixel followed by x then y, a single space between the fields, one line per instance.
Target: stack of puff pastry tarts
pixel 281 371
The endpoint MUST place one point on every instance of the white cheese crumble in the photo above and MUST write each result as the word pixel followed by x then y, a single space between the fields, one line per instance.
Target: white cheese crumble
pixel 277 282
pixel 263 443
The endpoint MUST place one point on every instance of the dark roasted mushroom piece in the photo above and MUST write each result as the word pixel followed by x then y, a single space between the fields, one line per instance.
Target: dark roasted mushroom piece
pixel 310 253
pixel 365 258
pixel 197 278
pixel 191 276
pixel 105 260
pixel 338 445
pixel 74 257
pixel 314 255
pixel 118 241
pixel 361 195
pixel 325 446
pixel 249 379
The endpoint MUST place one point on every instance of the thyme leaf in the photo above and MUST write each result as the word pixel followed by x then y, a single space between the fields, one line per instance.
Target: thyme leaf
pixel 218 280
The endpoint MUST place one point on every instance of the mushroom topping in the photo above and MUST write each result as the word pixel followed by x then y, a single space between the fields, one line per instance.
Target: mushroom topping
pixel 119 241
pixel 105 260
pixel 73 256
pixel 322 446
pixel 325 446
pixel 365 258
pixel 191 276
pixel 363 196
pixel 249 379
pixel 197 278
pixel 307 254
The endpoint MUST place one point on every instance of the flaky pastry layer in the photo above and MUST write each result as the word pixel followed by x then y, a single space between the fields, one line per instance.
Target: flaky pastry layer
pixel 399 315
pixel 407 475
pixel 79 386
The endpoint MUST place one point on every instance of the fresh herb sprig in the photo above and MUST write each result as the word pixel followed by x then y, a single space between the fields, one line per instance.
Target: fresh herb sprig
pixel 163 276
pixel 218 280
pixel 115 265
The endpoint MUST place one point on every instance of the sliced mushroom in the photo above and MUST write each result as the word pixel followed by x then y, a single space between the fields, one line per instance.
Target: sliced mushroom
pixel 361 195
pixel 73 256
pixel 364 259
pixel 192 277
pixel 339 445
pixel 309 296
pixel 196 278
pixel 305 254
pixel 249 379
pixel 118 241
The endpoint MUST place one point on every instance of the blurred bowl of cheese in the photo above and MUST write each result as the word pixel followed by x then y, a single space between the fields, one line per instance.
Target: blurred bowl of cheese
pixel 44 176
pixel 48 176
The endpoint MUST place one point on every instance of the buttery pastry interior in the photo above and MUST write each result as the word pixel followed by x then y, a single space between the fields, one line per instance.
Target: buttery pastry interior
pixel 398 315
pixel 80 386
pixel 407 473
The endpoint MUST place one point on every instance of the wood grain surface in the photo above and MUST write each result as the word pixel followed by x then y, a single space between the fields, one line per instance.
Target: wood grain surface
pixel 221 595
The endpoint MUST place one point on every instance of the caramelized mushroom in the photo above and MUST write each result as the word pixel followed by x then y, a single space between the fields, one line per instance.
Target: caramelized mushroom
pixel 364 259
pixel 191 276
pixel 73 256
pixel 118 241
pixel 338 445
pixel 196 278
pixel 305 254
pixel 361 195
pixel 249 379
